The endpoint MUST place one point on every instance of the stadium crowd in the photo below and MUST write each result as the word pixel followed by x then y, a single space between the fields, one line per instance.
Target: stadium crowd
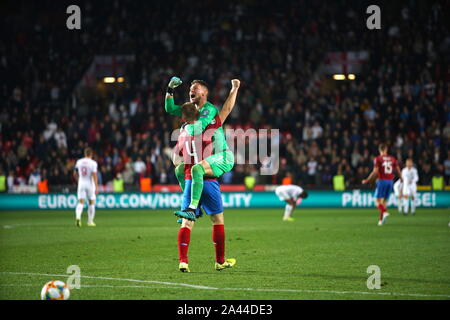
pixel 328 128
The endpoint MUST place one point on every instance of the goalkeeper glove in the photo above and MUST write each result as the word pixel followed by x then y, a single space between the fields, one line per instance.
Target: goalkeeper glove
pixel 173 83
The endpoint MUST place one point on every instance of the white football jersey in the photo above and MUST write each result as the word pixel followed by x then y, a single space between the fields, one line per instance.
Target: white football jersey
pixel 288 191
pixel 410 176
pixel 86 167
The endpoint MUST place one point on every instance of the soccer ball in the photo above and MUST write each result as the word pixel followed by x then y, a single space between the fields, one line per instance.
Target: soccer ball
pixel 55 290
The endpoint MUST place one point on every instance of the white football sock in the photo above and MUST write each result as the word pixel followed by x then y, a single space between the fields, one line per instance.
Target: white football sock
pixel 288 211
pixel 406 204
pixel 79 211
pixel 413 205
pixel 399 203
pixel 91 213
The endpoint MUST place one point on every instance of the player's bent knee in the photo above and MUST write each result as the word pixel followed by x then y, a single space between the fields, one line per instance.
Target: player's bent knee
pixel 179 169
pixel 217 218
pixel 197 169
pixel 207 167
pixel 187 224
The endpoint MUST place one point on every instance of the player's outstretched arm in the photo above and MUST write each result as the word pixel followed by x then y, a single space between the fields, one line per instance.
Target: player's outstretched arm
pixel 169 104
pixel 231 100
pixel 372 175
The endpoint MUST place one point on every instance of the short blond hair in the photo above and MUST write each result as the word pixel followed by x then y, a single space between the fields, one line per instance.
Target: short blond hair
pixel 88 152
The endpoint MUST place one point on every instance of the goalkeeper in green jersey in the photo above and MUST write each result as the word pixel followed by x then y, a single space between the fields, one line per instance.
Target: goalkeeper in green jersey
pixel 222 159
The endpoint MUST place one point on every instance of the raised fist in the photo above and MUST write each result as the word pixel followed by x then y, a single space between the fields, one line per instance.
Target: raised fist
pixel 174 82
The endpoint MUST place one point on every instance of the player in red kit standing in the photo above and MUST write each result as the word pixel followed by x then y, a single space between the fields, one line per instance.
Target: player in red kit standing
pixel 384 166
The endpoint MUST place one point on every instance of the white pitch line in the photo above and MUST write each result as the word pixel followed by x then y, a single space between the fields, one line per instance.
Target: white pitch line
pixel 171 284
pixel 11 226
pixel 88 286
pixel 117 279
pixel 341 292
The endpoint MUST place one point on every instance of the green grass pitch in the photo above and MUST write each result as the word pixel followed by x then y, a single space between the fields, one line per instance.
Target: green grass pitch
pixel 323 254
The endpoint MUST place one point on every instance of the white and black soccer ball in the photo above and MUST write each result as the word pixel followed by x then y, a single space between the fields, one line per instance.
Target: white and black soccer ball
pixel 55 290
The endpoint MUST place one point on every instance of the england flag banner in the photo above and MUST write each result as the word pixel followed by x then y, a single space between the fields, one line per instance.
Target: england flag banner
pixel 344 62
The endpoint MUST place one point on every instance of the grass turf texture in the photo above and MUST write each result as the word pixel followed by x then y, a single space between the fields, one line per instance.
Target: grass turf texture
pixel 324 254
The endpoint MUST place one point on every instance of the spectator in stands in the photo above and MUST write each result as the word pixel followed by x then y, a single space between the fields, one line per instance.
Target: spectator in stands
pixel 10 180
pixel 316 131
pixel 118 183
pixel 60 138
pixel 106 175
pixel 139 168
pixel 55 177
pixel 35 177
pixel 447 169
pixel 3 182
pixel 339 181
pixel 128 175
pixel 437 181
pixel 312 170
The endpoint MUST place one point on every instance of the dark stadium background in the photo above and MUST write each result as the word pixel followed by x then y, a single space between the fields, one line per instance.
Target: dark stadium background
pixel 400 96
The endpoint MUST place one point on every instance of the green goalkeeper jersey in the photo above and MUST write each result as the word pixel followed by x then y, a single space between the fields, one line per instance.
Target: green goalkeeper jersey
pixel 208 114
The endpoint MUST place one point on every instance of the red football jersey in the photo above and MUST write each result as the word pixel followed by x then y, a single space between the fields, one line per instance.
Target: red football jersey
pixel 386 165
pixel 194 149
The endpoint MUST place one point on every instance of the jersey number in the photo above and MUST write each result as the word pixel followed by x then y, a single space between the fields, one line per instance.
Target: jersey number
pixel 194 151
pixel 84 171
pixel 387 167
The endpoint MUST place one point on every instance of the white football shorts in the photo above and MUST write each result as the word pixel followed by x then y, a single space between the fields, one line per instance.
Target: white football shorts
pixel 282 195
pixel 86 191
pixel 409 190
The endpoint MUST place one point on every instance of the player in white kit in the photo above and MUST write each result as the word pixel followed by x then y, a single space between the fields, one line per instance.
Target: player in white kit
pixel 86 174
pixel 398 188
pixel 293 196
pixel 410 179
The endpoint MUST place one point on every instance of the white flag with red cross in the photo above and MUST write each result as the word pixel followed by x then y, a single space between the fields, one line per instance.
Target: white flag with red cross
pixel 345 62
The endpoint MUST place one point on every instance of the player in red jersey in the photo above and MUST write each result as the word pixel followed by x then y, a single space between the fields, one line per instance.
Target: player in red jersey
pixel 384 166
pixel 193 149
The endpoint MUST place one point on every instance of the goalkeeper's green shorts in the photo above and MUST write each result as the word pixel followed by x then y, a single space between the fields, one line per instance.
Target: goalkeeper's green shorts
pixel 221 162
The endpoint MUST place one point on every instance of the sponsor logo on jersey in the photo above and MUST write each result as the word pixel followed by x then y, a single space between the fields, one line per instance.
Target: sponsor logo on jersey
pixel 204 113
